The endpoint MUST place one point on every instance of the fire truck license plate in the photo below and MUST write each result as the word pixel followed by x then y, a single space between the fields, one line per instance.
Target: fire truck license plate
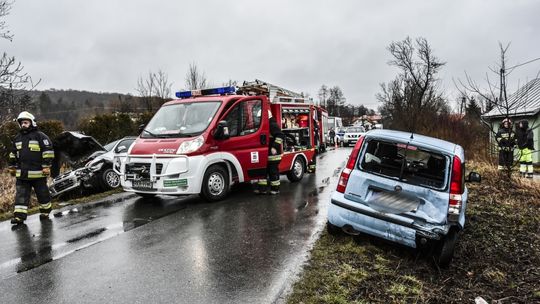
pixel 144 184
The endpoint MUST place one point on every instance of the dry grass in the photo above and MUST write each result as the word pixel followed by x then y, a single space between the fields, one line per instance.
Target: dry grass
pixel 7 191
pixel 7 194
pixel 496 185
pixel 497 256
pixel 7 197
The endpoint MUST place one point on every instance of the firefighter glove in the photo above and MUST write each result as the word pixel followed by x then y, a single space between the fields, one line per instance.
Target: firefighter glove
pixel 46 171
pixel 273 151
pixel 12 171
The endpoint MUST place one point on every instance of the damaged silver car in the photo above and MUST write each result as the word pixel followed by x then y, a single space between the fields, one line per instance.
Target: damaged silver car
pixel 403 187
pixel 92 163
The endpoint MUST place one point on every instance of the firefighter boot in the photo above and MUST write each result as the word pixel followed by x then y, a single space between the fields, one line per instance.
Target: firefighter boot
pixel 261 187
pixel 274 187
pixel 44 210
pixel 17 221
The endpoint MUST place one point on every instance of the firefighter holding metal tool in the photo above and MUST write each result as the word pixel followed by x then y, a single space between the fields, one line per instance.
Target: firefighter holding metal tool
pixel 30 160
pixel 275 150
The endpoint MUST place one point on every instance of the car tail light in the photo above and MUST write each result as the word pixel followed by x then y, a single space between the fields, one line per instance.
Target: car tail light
pixel 344 177
pixel 456 189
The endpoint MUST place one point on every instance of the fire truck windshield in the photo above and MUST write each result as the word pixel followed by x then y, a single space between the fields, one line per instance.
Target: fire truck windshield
pixel 181 119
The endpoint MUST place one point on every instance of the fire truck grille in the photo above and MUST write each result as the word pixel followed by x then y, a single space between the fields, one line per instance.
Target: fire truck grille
pixel 142 169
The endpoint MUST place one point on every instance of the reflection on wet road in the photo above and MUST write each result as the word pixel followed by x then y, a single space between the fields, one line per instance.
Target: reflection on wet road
pixel 243 249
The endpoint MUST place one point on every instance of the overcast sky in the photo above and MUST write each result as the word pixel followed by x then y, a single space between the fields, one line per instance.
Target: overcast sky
pixel 106 45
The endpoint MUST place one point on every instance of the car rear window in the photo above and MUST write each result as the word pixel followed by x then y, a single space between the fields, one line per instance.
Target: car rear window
pixel 355 130
pixel 407 163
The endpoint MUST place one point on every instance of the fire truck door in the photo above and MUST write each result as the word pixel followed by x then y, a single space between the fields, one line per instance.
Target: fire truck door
pixel 248 130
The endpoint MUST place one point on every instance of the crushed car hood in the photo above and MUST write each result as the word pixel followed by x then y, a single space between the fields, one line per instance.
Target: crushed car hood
pixel 73 148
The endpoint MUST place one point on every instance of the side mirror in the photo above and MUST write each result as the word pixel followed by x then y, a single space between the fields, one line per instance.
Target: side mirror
pixel 121 149
pixel 141 128
pixel 222 130
pixel 474 177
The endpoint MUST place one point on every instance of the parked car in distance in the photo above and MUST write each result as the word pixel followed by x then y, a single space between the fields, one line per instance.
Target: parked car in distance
pixel 97 173
pixel 403 187
pixel 352 134
pixel 339 133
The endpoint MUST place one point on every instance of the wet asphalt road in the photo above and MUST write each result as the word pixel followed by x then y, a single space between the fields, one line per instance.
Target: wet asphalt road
pixel 245 249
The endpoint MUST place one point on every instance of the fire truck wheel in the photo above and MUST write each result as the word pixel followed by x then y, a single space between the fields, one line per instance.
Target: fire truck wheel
pixel 215 185
pixel 297 171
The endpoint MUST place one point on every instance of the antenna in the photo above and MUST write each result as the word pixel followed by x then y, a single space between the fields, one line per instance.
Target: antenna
pixel 412 136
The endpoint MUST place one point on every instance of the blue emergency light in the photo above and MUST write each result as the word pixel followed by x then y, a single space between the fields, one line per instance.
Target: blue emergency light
pixel 214 91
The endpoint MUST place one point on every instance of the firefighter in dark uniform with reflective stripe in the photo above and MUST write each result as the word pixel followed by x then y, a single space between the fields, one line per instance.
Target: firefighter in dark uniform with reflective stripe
pixel 30 161
pixel 275 150
pixel 506 140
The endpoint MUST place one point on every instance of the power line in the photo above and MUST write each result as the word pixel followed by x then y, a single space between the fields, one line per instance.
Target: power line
pixel 518 65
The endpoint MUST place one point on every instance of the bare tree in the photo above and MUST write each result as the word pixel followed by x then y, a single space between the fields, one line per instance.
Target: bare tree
pixel 496 98
pixel 412 99
pixel 154 90
pixel 13 79
pixel 195 79
pixel 163 86
pixel 146 88
pixel 323 95
pixel 230 83
pixel 335 101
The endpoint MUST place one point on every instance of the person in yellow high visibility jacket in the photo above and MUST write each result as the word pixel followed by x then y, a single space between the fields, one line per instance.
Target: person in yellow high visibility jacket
pixel 275 150
pixel 30 160
pixel 525 142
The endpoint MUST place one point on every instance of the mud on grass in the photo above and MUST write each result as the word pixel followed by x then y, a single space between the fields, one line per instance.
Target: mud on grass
pixel 497 257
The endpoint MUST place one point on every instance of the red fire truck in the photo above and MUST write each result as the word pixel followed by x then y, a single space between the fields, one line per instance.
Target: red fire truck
pixel 208 140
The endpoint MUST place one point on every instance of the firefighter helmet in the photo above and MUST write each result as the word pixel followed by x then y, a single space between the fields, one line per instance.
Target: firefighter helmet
pixel 508 120
pixel 27 116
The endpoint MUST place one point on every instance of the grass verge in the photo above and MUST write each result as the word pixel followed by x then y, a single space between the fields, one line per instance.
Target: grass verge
pixel 7 196
pixel 497 257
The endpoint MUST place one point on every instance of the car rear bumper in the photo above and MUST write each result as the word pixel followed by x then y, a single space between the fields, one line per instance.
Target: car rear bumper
pixel 392 227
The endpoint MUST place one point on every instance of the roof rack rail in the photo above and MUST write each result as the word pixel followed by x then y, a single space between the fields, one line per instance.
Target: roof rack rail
pixel 274 92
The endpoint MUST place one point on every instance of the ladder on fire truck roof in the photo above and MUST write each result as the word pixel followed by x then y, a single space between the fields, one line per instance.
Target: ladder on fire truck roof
pixel 274 92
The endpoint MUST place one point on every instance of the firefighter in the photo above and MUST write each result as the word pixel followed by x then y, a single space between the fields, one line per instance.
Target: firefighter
pixel 312 166
pixel 505 138
pixel 30 160
pixel 525 142
pixel 275 149
pixel 332 136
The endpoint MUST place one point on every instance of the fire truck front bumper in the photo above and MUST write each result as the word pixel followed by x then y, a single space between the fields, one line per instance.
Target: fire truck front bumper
pixel 161 174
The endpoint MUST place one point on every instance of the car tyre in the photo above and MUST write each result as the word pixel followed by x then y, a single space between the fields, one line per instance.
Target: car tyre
pixel 298 169
pixel 333 229
pixel 444 250
pixel 215 186
pixel 110 179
